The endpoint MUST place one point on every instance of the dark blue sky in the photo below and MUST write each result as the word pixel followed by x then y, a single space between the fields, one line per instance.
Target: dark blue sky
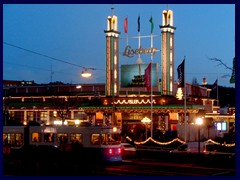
pixel 75 34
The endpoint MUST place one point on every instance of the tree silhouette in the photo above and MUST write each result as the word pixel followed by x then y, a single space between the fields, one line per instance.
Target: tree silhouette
pixel 63 104
pixel 232 79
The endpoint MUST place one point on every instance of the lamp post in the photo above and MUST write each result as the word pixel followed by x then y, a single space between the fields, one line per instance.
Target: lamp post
pixel 199 122
pixel 146 120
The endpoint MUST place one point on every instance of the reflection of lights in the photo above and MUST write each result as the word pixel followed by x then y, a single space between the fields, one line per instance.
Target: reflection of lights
pixel 146 120
pixel 105 102
pixel 58 122
pixel 199 121
pixel 78 86
pixel 114 129
pixel 77 122
pixel 86 74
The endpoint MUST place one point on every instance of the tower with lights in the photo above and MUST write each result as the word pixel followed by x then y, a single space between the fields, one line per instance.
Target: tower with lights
pixel 167 52
pixel 112 56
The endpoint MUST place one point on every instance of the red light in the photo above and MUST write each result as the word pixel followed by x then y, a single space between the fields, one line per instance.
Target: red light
pixel 110 151
pixel 119 150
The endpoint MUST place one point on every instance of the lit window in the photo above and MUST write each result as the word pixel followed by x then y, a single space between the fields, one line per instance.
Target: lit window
pixel 221 126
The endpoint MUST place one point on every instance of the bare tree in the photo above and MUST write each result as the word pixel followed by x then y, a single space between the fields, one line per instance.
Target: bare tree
pixel 232 79
pixel 63 104
pixel 221 63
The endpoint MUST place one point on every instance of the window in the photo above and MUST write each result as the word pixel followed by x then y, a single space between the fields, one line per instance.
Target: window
pixel 12 139
pixel 221 126
pixel 30 115
pixel 80 115
pixel 5 140
pixel 18 139
pixel 95 138
pixel 19 116
pixel 76 138
pixel 62 137
pixel 36 137
pixel 48 137
pixel 106 139
pixel 43 116
pixel 135 116
pixel 111 139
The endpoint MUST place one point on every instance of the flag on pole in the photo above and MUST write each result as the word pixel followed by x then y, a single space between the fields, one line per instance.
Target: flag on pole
pixel 147 77
pixel 215 84
pixel 125 25
pixel 152 25
pixel 181 72
pixel 138 23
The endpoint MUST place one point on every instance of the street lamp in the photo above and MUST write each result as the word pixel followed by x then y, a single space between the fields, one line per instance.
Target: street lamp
pixel 146 120
pixel 86 74
pixel 199 122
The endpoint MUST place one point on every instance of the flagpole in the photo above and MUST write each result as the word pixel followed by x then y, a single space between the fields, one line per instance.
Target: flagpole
pixel 127 45
pixel 139 40
pixel 217 92
pixel 125 25
pixel 151 89
pixel 185 102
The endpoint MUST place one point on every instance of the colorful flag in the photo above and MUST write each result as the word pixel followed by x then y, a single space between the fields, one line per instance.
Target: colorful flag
pixel 215 84
pixel 147 77
pixel 126 25
pixel 181 71
pixel 152 25
pixel 138 23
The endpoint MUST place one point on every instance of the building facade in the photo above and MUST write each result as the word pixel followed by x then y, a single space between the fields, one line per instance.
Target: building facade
pixel 45 104
pixel 115 103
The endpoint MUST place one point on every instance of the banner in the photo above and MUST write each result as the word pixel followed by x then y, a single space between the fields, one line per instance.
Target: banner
pixel 215 84
pixel 138 23
pixel 147 77
pixel 181 72
pixel 125 25
pixel 152 25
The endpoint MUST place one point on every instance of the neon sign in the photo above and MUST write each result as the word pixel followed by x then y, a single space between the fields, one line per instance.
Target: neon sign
pixel 134 101
pixel 129 52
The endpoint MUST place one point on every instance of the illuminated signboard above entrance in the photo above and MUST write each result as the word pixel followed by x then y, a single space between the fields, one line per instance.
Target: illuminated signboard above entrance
pixel 129 52
pixel 134 101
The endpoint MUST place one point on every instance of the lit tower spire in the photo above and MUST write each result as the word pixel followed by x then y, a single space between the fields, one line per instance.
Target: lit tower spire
pixel 112 56
pixel 167 52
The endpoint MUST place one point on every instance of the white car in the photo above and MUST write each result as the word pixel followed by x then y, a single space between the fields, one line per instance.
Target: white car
pixel 192 147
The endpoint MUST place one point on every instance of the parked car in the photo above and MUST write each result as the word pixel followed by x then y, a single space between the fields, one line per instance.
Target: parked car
pixel 128 150
pixel 192 147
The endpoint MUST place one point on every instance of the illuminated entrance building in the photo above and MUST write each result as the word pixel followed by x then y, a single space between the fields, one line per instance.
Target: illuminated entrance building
pixel 167 52
pixel 124 104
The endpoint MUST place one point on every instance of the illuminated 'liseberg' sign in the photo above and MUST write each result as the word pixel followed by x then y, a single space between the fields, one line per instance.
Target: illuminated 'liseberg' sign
pixel 129 52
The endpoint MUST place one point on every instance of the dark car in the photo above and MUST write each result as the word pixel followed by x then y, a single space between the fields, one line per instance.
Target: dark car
pixel 128 150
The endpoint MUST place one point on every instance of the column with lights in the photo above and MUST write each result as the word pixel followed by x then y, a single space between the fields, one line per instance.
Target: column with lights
pixel 167 52
pixel 112 56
